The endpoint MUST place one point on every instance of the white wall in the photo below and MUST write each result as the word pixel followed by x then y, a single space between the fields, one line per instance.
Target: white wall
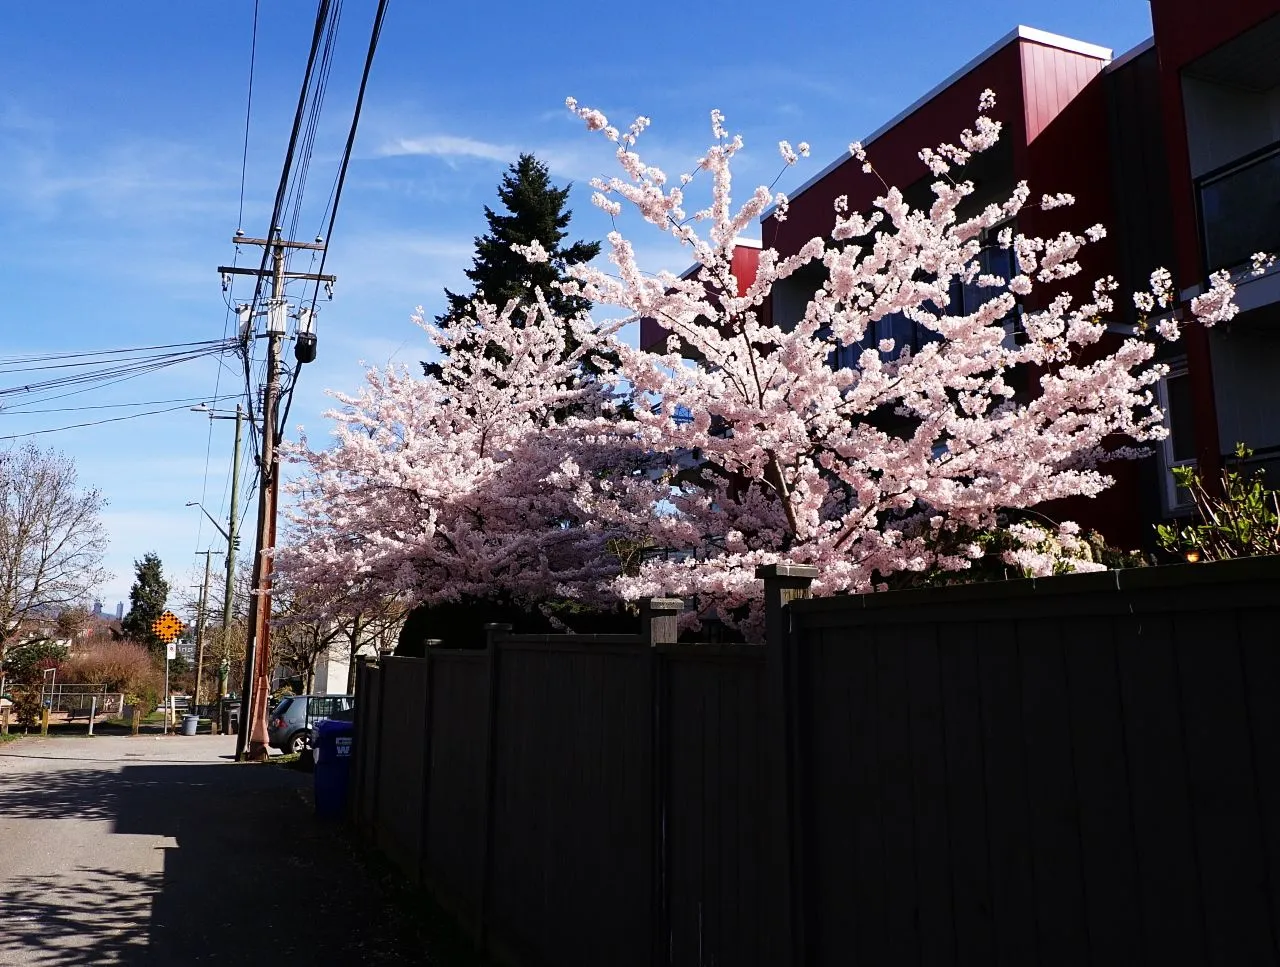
pixel 1224 123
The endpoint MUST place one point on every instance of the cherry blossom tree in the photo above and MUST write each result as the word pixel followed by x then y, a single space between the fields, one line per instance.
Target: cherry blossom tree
pixel 517 474
pixel 893 466
pixel 436 489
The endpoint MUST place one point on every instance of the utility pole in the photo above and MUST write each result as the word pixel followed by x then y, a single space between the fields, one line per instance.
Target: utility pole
pixel 251 742
pixel 232 541
pixel 230 533
pixel 201 608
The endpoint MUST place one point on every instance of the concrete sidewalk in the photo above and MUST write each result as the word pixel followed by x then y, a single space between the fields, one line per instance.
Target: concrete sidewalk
pixel 120 850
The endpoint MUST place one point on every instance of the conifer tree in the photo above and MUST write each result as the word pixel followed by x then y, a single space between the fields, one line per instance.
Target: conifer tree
pixel 536 212
pixel 146 600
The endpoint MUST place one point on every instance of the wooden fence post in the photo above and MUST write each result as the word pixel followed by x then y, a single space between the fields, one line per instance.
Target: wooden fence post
pixel 659 619
pixel 355 792
pixel 378 737
pixel 44 721
pixel 784 583
pixel 424 813
pixel 493 635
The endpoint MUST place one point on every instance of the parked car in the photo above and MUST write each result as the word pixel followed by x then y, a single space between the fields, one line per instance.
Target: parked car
pixel 290 724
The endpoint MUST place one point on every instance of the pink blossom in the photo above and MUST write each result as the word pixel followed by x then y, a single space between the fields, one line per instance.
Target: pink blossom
pixel 891 466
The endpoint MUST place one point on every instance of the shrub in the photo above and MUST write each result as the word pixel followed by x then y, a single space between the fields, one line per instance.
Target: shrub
pixel 26 707
pixel 24 662
pixel 123 666
pixel 1241 520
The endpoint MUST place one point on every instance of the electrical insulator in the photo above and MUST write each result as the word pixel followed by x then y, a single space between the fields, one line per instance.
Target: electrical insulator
pixel 277 317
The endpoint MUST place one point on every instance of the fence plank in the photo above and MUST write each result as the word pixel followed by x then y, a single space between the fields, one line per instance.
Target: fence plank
pixel 572 825
pixel 841 796
pixel 1168 875
pixel 1224 804
pixel 688 817
pixel 1008 823
pixel 966 796
pixel 714 705
pixel 1260 668
pixel 929 765
pixel 373 756
pixel 1102 783
pixel 400 780
pixel 753 873
pixel 455 809
pixel 1051 796
pixel 897 797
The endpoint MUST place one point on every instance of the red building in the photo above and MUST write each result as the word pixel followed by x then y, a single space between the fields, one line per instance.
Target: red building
pixel 1176 148
pixel 1218 78
pixel 746 260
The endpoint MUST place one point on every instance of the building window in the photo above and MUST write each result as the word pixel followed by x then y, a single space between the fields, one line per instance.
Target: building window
pixel 964 299
pixel 1178 449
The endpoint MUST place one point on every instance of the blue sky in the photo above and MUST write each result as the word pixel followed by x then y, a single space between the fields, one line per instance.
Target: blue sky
pixel 121 139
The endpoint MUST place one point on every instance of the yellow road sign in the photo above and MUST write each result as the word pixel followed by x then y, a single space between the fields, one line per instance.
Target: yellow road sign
pixel 168 627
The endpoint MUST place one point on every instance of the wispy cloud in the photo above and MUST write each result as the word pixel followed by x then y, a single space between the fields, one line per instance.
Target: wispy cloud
pixel 571 159
pixel 448 146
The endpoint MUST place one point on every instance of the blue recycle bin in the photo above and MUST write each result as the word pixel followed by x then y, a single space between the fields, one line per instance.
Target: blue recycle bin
pixel 332 746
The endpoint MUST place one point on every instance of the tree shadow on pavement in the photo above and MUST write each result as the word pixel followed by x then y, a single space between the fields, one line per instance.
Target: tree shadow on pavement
pixel 241 873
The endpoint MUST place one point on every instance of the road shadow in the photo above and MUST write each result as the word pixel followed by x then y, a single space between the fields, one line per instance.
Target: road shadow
pixel 248 875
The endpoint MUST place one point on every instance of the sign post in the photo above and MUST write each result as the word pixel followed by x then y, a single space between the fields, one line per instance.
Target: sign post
pixel 167 628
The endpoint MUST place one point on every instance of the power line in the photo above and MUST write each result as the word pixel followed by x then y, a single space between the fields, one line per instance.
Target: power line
pixel 322 16
pixel 112 406
pixel 122 369
pixel 248 109
pixel 79 426
pixel 298 188
pixel 374 36
pixel 49 357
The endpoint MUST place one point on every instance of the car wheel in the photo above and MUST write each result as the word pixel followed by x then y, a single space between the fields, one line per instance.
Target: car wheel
pixel 297 742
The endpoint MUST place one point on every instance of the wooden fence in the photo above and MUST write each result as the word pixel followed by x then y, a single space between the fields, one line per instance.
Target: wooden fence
pixel 1084 769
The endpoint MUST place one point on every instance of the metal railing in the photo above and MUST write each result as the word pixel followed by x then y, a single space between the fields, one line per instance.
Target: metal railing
pixel 78 699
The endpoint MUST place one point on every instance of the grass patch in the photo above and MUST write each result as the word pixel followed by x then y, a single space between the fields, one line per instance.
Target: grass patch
pixel 10 737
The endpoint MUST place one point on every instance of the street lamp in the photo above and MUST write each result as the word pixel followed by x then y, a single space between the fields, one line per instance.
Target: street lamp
pixel 232 519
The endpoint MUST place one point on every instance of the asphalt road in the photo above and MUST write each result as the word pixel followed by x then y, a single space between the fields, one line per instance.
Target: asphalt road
pixel 137 851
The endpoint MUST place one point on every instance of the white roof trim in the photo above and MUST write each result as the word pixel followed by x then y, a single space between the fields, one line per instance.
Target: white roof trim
pixel 1129 55
pixel 1018 33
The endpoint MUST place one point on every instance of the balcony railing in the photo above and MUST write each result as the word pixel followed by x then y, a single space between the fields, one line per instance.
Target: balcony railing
pixel 1240 209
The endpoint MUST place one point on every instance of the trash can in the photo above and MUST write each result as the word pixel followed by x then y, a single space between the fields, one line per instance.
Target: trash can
pixel 332 747
pixel 189 724
pixel 230 718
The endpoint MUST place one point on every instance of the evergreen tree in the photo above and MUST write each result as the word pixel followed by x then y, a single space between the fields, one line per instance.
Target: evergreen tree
pixel 146 601
pixel 537 212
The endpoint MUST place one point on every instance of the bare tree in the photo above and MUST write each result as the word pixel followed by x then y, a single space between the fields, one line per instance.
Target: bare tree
pixel 220 643
pixel 378 627
pixel 300 635
pixel 52 538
